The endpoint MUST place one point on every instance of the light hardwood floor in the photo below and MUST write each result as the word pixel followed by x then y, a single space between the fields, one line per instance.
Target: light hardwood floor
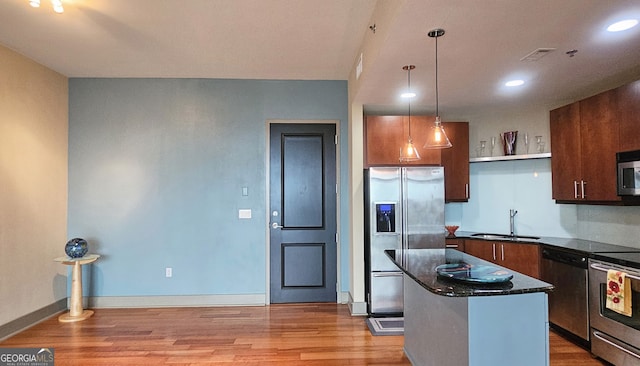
pixel 293 334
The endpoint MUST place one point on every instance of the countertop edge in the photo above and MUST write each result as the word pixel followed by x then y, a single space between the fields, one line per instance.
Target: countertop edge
pixel 428 279
pixel 583 246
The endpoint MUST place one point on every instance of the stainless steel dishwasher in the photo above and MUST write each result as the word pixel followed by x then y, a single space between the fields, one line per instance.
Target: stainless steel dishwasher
pixel 568 302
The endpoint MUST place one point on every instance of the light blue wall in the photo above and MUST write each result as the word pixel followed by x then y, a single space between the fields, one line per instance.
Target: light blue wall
pixel 156 170
pixel 523 185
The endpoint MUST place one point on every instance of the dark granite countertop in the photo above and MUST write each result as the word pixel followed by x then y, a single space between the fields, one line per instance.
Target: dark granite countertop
pixel 587 247
pixel 420 264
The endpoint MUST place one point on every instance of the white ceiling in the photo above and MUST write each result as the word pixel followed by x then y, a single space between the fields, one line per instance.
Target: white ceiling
pixel 321 39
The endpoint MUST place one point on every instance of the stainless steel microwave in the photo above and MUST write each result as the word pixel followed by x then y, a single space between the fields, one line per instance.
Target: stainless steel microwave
pixel 628 173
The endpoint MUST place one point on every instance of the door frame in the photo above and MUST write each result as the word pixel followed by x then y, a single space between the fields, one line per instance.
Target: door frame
pixel 268 203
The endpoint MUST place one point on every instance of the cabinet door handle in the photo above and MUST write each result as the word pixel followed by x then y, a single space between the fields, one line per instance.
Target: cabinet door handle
pixel 502 251
pixel 582 184
pixel 494 251
pixel 575 189
pixel 466 190
pixel 451 246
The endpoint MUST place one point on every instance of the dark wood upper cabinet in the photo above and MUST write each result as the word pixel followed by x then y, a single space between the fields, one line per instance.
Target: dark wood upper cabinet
pixel 385 135
pixel 455 161
pixel 585 137
pixel 629 116
pixel 564 124
pixel 383 138
pixel 599 142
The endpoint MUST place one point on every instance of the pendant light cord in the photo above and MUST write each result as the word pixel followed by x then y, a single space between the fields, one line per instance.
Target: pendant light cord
pixel 409 83
pixel 437 104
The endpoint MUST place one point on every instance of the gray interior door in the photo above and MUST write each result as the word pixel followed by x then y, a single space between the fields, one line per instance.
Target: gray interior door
pixel 303 213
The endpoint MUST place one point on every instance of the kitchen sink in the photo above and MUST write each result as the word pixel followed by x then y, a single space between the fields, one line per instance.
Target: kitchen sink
pixel 489 236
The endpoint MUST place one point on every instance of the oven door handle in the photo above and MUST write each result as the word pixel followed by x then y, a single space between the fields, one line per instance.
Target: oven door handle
pixel 598 335
pixel 605 269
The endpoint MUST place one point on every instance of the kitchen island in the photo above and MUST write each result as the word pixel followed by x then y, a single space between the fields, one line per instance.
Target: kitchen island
pixel 450 322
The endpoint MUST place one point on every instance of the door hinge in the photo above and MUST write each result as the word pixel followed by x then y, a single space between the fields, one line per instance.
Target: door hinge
pixel 336 188
pixel 335 139
pixel 337 238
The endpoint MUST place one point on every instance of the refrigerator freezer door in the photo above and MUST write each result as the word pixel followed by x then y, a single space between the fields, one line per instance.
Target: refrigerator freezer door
pixel 379 260
pixel 384 201
pixel 423 190
pixel 386 293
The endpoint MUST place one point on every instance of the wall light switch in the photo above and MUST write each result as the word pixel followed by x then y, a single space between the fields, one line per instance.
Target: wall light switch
pixel 244 214
pixel 168 272
pixel 245 191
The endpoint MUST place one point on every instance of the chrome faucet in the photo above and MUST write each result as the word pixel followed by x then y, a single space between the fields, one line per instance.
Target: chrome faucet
pixel 512 214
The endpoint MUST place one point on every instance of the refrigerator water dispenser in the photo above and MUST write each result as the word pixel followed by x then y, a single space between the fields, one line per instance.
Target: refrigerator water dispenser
pixel 385 217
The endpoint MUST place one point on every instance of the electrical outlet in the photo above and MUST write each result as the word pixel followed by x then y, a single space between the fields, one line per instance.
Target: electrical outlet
pixel 168 272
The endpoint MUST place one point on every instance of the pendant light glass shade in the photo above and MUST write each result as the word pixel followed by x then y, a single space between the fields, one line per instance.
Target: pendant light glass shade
pixel 437 138
pixel 408 151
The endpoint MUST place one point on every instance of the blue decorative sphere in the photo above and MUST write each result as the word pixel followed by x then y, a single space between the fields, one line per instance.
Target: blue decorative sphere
pixel 76 248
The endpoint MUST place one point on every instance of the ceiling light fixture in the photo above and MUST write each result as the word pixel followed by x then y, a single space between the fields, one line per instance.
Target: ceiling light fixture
pixel 622 25
pixel 517 82
pixel 408 94
pixel 437 138
pixel 56 4
pixel 408 152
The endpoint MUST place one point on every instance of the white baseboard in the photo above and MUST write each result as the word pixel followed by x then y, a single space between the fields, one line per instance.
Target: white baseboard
pixel 343 297
pixel 188 300
pixel 176 301
pixel 357 308
pixel 28 320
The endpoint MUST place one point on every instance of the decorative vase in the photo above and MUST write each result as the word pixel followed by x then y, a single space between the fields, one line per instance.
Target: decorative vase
pixel 76 248
pixel 451 229
pixel 509 142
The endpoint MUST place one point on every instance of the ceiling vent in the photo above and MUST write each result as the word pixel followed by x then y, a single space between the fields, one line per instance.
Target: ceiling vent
pixel 537 54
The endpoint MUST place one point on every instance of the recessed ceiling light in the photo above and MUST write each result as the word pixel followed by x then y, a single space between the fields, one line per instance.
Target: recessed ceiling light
pixel 408 94
pixel 622 25
pixel 517 82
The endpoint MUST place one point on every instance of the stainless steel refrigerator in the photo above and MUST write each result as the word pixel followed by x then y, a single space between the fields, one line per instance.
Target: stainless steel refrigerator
pixel 404 209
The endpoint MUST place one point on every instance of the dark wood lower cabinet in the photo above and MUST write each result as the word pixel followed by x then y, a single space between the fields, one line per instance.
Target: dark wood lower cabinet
pixel 520 257
pixel 455 243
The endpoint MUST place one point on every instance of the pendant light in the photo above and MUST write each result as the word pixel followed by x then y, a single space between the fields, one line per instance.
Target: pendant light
pixel 408 151
pixel 437 138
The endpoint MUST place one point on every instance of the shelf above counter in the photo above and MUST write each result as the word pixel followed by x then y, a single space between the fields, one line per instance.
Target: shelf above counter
pixel 510 157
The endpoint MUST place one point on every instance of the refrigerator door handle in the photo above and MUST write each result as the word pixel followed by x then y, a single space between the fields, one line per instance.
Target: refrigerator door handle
pixel 405 208
pixel 386 274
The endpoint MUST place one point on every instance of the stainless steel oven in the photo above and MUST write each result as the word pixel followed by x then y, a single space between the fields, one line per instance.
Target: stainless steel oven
pixel 614 337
